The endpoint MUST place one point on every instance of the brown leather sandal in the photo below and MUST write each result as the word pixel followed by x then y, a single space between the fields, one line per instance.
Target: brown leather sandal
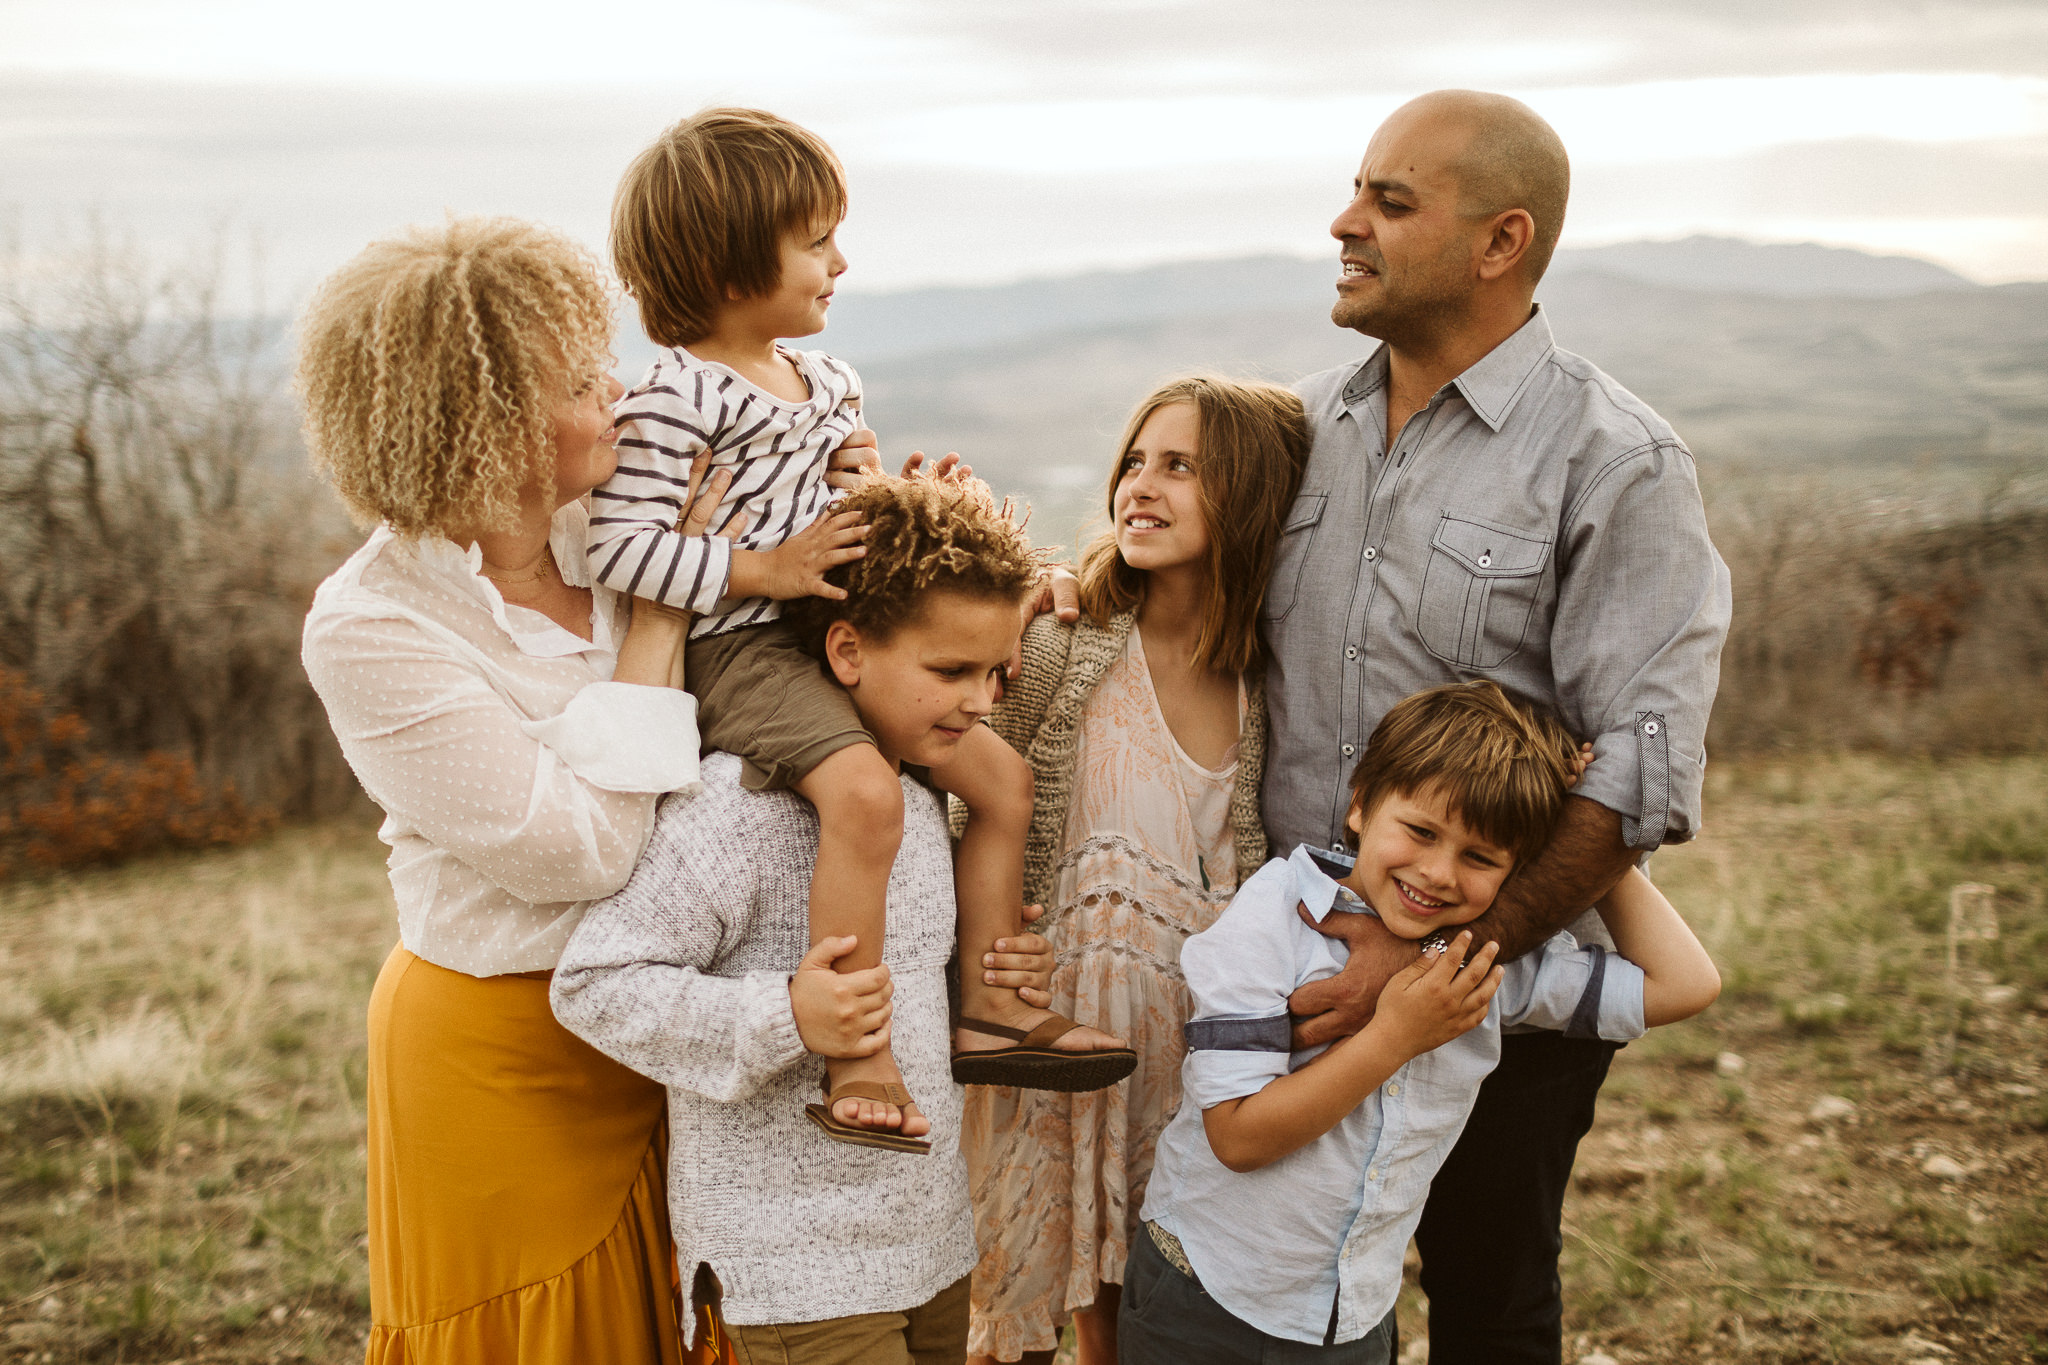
pixel 1035 1064
pixel 888 1092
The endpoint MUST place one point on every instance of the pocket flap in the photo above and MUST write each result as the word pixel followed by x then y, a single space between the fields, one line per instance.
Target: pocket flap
pixel 1306 511
pixel 1490 551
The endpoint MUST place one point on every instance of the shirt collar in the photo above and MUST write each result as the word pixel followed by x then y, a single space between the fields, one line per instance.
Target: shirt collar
pixel 461 569
pixel 1317 890
pixel 1491 386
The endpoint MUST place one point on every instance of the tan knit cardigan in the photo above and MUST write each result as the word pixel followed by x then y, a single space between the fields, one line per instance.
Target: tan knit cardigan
pixel 1040 716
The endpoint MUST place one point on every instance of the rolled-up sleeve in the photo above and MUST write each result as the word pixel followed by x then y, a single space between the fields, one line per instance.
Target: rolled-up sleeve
pixel 1240 972
pixel 1582 991
pixel 1643 607
pixel 438 748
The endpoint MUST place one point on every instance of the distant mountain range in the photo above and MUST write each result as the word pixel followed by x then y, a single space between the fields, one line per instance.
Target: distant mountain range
pixel 1790 355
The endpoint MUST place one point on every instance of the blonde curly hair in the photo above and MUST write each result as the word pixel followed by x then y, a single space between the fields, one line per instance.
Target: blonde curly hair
pixel 431 366
pixel 927 535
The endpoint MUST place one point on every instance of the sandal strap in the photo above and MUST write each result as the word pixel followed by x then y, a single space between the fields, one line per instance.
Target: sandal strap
pixel 887 1092
pixel 1015 1035
pixel 1048 1031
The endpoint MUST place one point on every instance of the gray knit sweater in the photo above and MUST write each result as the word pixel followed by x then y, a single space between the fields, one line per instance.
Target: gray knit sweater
pixel 1040 716
pixel 684 976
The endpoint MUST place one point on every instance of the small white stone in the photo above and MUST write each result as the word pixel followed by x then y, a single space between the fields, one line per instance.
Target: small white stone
pixel 1598 1358
pixel 1998 997
pixel 1943 1167
pixel 1830 1109
pixel 1730 1064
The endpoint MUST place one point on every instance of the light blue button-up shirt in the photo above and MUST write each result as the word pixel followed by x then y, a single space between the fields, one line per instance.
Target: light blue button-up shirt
pixel 1332 1221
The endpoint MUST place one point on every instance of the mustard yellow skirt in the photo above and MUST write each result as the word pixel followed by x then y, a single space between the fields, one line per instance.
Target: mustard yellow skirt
pixel 517 1182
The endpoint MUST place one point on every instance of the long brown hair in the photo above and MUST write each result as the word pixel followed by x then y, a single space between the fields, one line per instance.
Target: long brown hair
pixel 1254 445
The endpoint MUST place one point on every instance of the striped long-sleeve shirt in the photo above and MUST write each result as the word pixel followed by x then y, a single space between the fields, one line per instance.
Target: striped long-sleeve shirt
pixel 776 450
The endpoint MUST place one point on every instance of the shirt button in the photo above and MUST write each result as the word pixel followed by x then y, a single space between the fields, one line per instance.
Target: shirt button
pixel 1393 1087
pixel 1649 727
pixel 1347 751
pixel 1351 652
pixel 1371 553
pixel 1373 1173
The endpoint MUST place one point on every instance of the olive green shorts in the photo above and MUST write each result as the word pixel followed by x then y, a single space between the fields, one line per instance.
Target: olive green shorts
pixel 760 696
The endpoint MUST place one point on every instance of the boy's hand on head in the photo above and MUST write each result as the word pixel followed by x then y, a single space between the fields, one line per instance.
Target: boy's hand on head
pixel 857 456
pixel 1580 762
pixel 1059 592
pixel 840 1014
pixel 1436 998
pixel 949 467
pixel 797 567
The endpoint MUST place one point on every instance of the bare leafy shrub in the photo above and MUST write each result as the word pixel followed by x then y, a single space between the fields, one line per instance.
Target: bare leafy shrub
pixel 63 805
pixel 159 536
pixel 1904 621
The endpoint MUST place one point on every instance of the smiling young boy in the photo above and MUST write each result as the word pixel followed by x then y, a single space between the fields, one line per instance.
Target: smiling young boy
pixel 724 231
pixel 701 972
pixel 1285 1193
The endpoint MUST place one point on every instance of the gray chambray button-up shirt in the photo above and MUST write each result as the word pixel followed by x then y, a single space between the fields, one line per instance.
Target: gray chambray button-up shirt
pixel 1536 524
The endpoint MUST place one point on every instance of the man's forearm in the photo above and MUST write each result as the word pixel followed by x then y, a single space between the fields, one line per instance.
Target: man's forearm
pixel 1583 861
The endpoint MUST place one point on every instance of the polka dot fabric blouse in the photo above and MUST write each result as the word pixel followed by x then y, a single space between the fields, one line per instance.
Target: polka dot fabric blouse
pixel 517 780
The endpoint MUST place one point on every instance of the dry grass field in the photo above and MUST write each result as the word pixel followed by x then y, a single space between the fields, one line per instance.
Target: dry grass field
pixel 1843 1161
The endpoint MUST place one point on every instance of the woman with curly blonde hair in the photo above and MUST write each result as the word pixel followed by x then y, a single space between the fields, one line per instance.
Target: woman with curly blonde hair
pixel 517 734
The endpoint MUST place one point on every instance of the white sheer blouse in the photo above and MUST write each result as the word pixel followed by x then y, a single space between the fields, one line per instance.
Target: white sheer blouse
pixel 518 781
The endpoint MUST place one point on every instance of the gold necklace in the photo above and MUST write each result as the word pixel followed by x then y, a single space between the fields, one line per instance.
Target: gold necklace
pixel 541 573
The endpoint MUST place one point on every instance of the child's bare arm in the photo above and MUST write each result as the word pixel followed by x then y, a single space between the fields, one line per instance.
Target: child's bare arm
pixel 1426 1005
pixel 1679 979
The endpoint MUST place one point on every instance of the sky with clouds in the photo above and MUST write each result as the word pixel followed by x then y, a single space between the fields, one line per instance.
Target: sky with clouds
pixel 991 141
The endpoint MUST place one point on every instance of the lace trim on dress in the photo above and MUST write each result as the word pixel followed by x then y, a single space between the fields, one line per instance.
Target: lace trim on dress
pixel 1103 843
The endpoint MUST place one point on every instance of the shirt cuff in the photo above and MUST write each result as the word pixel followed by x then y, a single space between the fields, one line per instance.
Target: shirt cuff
pixel 1619 1018
pixel 1651 784
pixel 623 737
pixel 1210 1078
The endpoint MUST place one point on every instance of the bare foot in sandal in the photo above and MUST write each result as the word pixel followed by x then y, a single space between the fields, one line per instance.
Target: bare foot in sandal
pixel 877 1115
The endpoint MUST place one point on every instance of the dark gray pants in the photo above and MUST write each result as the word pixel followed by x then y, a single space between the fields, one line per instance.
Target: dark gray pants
pixel 1166 1319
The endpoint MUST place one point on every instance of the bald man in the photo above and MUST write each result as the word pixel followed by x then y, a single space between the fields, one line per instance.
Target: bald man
pixel 1481 504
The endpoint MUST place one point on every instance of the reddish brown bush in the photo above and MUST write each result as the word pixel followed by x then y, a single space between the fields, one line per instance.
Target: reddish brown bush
pixel 62 805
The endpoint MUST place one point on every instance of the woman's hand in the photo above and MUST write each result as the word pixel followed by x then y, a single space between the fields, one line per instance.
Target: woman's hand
pixel 840 1014
pixel 652 652
pixel 1023 963
pixel 1436 998
pixel 856 458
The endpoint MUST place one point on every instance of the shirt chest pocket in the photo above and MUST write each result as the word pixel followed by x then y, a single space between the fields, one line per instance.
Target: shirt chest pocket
pixel 1479 590
pixel 1290 555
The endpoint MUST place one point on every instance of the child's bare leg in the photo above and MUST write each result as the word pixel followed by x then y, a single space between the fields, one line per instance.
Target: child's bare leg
pixel 860 827
pixel 988 878
pixel 1095 1326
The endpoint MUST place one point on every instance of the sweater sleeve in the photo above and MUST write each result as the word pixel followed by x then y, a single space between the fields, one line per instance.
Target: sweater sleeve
pixel 635 981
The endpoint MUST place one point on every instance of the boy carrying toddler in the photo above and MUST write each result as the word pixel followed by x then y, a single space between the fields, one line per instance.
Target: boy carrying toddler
pixel 1288 1185
pixel 701 972
pixel 724 233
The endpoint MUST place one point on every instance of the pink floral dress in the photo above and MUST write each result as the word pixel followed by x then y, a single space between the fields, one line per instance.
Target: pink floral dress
pixel 1149 859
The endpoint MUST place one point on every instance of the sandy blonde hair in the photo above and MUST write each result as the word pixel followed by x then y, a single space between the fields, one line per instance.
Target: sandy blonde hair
pixel 1254 441
pixel 431 366
pixel 1500 766
pixel 926 536
pixel 705 208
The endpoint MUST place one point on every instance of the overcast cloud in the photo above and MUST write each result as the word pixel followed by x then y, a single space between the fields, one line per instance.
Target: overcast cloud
pixel 991 141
